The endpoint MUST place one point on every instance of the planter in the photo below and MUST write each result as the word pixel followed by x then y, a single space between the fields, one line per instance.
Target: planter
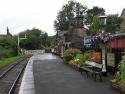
pixel 118 87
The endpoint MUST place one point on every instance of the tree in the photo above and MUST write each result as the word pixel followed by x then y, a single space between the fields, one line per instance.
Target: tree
pixel 109 24
pixel 8 46
pixel 113 23
pixel 95 25
pixel 44 38
pixel 123 24
pixel 34 39
pixel 51 40
pixel 95 11
pixel 66 16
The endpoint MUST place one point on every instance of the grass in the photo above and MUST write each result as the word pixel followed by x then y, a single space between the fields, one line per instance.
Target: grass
pixel 6 61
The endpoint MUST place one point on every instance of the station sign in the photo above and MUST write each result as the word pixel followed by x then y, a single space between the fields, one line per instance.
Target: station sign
pixel 88 41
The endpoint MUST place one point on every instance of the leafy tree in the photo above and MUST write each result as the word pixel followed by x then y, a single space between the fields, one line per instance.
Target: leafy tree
pixel 51 41
pixel 33 40
pixel 8 45
pixel 123 24
pixel 45 39
pixel 67 14
pixel 6 42
pixel 109 24
pixel 95 11
pixel 95 25
pixel 36 39
pixel 113 23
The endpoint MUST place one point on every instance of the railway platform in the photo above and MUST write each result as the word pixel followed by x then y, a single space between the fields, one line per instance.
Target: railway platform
pixel 48 74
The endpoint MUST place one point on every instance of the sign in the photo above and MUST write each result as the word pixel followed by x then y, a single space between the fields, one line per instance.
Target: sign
pixel 88 41
pixel 110 59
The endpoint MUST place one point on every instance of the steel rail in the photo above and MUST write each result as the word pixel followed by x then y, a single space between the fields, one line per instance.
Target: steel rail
pixel 16 80
pixel 12 66
pixel 17 76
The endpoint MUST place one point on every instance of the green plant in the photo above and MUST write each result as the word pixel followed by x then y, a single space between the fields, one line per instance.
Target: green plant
pixel 120 75
pixel 70 53
pixel 121 68
pixel 5 53
pixel 72 62
pixel 86 56
pixel 81 58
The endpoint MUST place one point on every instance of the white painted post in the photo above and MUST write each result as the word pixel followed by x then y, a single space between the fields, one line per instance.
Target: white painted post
pixel 103 60
pixel 62 51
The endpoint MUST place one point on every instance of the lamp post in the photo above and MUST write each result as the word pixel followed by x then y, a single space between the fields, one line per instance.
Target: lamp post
pixel 18 46
pixel 104 40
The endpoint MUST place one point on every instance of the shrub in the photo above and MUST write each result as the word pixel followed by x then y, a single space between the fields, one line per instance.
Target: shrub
pixel 70 54
pixel 120 75
pixel 86 56
pixel 72 62
pixel 121 68
pixel 8 45
pixel 81 58
pixel 5 53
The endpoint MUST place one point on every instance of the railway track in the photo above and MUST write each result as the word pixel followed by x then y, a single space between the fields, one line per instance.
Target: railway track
pixel 11 75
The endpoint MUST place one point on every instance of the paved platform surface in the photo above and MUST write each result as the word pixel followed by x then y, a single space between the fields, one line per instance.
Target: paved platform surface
pixel 27 85
pixel 52 76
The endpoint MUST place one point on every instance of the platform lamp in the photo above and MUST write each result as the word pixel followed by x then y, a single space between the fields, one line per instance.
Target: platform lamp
pixel 104 39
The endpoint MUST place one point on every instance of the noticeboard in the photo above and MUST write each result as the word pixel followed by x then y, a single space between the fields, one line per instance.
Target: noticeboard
pixel 111 59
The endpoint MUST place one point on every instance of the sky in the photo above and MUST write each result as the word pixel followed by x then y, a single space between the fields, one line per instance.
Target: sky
pixel 20 15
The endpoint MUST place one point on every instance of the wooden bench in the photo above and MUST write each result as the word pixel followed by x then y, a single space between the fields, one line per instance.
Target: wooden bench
pixel 92 67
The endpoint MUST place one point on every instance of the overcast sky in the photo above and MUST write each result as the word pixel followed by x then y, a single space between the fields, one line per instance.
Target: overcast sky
pixel 20 15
